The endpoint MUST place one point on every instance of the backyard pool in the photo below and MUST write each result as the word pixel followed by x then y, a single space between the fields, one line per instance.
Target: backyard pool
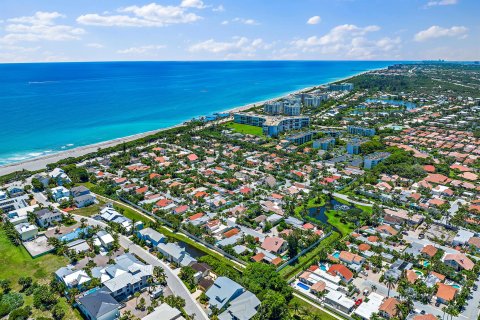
pixel 426 263
pixel 323 267
pixel 303 286
pixel 75 234
pixel 336 254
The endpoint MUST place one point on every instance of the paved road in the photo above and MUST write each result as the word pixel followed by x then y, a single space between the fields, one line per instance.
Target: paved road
pixel 346 198
pixel 173 281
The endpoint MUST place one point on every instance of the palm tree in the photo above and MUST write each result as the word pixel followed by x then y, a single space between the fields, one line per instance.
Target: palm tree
pixel 390 282
pixel 321 294
pixel 159 275
pixel 136 295
pixel 295 307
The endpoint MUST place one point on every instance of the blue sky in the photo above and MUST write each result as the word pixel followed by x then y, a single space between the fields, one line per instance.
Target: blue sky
pixel 101 30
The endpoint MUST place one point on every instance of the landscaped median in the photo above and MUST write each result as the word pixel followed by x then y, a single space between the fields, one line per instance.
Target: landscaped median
pixel 305 260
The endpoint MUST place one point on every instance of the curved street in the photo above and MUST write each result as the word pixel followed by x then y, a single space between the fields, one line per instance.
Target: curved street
pixel 173 281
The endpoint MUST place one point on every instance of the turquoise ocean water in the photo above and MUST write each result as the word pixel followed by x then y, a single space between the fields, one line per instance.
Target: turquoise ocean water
pixel 52 107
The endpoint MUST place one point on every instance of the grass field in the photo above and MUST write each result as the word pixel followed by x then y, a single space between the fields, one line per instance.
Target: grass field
pixel 306 308
pixel 335 221
pixel 244 128
pixel 15 262
pixel 364 208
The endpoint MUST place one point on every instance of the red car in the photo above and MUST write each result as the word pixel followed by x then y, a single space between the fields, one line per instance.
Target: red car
pixel 358 302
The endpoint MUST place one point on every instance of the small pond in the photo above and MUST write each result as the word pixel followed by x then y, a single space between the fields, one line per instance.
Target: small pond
pixel 318 213
pixel 194 252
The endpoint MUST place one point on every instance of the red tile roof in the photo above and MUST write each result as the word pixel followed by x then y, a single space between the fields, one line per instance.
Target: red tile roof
pixel 340 269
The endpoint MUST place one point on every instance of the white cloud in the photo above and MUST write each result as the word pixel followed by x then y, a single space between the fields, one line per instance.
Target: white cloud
pixel 141 49
pixel 348 41
pixel 441 3
pixel 338 34
pixel 192 4
pixel 95 45
pixel 250 22
pixel 220 8
pixel 237 47
pixel 314 20
pixel 39 27
pixel 437 32
pixel 150 15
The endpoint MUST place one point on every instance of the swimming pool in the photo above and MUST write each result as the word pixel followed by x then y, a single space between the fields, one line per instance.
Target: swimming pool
pixel 426 263
pixel 336 254
pixel 419 273
pixel 303 286
pixel 323 267
pixel 456 286
pixel 75 234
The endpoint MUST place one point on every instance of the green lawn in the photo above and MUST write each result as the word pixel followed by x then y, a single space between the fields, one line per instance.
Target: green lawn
pixel 335 221
pixel 364 208
pixel 90 210
pixel 244 128
pixel 306 308
pixel 16 262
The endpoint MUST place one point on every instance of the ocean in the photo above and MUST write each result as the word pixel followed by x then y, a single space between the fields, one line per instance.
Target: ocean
pixel 50 107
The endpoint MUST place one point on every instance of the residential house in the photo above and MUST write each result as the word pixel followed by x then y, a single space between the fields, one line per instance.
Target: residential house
pixel 127 276
pixel 26 231
pixel 222 292
pixel 274 244
pixel 79 191
pixel 445 293
pixel 458 261
pixel 151 236
pixel 104 239
pixel 46 218
pixel 342 271
pixel 244 307
pixel 60 194
pixel 388 309
pixel 20 215
pixel 84 200
pixel 99 305
pixel 339 301
pixel 72 278
pixel 164 312
pixel 174 253
pixel 60 176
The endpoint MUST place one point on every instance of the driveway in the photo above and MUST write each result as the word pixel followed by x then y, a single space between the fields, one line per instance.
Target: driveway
pixel 173 281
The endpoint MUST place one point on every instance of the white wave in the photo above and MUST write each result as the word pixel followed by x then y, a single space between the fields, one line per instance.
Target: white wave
pixel 42 82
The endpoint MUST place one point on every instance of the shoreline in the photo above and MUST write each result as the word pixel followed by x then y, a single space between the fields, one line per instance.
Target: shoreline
pixel 39 163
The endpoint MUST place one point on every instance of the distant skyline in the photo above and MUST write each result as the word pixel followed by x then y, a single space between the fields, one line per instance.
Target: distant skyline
pixel 126 30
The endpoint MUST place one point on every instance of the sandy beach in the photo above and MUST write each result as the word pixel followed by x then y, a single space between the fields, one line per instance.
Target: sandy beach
pixel 41 162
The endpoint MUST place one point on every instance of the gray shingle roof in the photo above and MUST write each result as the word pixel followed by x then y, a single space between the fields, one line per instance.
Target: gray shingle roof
pixel 99 303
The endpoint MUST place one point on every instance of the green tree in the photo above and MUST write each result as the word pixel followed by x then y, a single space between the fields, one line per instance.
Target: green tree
pixel 58 312
pixel 273 307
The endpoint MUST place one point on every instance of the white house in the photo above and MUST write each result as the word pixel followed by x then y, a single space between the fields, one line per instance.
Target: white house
pixel 60 176
pixel 60 194
pixel 26 231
